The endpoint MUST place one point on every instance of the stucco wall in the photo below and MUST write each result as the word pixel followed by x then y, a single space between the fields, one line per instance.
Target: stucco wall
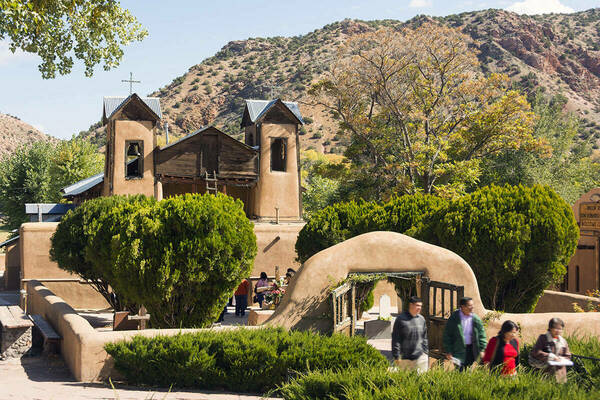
pixel 12 267
pixel 306 305
pixel 124 131
pixel 276 247
pixel 277 188
pixel 82 347
pixel 552 301
pixel 34 245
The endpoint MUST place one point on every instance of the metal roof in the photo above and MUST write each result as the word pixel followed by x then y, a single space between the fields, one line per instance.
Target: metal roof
pixel 83 185
pixel 113 103
pixel 257 108
pixel 47 208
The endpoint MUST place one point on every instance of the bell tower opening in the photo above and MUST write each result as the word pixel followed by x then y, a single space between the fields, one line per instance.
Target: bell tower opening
pixel 134 160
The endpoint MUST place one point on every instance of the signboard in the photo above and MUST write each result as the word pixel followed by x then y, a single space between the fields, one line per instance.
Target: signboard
pixel 589 216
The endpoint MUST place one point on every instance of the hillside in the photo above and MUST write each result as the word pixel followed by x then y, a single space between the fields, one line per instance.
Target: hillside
pixel 558 53
pixel 14 133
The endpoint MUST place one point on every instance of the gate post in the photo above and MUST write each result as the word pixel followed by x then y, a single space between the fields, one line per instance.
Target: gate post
pixel 425 297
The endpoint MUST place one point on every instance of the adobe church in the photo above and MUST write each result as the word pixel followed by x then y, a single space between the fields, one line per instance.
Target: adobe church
pixel 263 172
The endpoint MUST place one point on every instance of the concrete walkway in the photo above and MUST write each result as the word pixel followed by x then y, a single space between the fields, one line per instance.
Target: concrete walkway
pixel 35 378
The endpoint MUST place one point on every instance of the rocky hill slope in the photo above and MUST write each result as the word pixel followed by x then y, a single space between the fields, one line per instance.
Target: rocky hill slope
pixel 14 133
pixel 558 53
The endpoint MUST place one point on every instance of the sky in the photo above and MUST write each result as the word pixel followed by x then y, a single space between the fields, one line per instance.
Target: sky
pixel 183 33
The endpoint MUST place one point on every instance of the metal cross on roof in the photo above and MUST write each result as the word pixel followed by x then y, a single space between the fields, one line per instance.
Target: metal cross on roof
pixel 131 82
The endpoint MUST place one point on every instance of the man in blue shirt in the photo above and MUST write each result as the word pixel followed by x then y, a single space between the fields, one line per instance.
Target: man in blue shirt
pixel 410 346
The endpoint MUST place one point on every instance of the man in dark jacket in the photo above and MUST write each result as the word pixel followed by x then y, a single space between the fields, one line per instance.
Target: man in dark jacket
pixel 410 346
pixel 464 338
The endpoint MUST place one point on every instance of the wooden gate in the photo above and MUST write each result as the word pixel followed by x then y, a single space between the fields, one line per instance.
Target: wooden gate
pixel 343 300
pixel 440 299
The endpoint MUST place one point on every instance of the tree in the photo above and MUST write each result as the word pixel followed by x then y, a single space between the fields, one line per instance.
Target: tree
pixel 82 242
pixel 93 30
pixel 36 172
pixel 73 161
pixel 24 178
pixel 567 168
pixel 321 190
pixel 419 114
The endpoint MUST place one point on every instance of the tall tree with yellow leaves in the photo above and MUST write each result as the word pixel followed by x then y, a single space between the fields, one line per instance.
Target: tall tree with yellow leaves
pixel 419 113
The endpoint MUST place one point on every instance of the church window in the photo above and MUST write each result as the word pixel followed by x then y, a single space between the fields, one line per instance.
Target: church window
pixel 278 154
pixel 134 159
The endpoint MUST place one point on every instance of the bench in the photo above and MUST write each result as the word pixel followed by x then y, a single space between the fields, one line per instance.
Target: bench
pixel 14 336
pixel 45 335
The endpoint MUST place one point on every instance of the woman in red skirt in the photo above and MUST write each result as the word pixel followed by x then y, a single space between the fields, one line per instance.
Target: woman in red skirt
pixel 503 350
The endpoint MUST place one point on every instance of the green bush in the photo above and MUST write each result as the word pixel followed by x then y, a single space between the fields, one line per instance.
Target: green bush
pixel 181 257
pixel 337 223
pixel 516 239
pixel 243 360
pixel 82 241
pixel 377 383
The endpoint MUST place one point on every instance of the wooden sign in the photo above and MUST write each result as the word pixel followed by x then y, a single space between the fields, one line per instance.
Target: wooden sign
pixel 589 216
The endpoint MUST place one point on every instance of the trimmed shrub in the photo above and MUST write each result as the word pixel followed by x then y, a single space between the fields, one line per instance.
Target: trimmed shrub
pixel 243 360
pixel 337 223
pixel 181 257
pixel 517 240
pixel 82 242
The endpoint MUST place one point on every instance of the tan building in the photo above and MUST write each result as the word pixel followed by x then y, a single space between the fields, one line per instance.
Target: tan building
pixel 583 271
pixel 263 172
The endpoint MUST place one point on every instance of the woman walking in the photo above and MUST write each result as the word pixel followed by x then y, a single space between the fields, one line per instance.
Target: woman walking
pixel 503 350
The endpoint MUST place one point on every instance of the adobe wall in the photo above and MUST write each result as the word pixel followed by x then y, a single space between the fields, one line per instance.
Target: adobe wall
pixel 124 131
pixel 276 247
pixel 81 346
pixel 552 301
pixel 12 267
pixel 34 245
pixel 278 188
pixel 306 305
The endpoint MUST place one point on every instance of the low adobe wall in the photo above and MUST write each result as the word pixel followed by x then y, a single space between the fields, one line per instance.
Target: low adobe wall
pixel 552 301
pixel 306 305
pixel 81 346
pixel 35 263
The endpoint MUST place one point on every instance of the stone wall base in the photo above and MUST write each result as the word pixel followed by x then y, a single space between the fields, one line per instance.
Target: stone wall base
pixel 14 342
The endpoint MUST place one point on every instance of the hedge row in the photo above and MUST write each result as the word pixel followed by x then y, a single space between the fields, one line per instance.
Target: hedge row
pixel 517 239
pixel 244 360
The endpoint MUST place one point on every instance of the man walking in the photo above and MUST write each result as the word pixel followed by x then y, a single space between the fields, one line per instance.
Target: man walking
pixel 464 338
pixel 410 346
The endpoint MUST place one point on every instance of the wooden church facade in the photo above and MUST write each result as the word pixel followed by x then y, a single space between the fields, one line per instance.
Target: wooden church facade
pixel 263 172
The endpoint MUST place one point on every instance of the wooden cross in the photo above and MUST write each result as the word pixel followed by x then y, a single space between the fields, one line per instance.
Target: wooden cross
pixel 131 82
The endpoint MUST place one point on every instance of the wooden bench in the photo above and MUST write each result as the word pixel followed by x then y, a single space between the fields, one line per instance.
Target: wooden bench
pixel 14 325
pixel 50 339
